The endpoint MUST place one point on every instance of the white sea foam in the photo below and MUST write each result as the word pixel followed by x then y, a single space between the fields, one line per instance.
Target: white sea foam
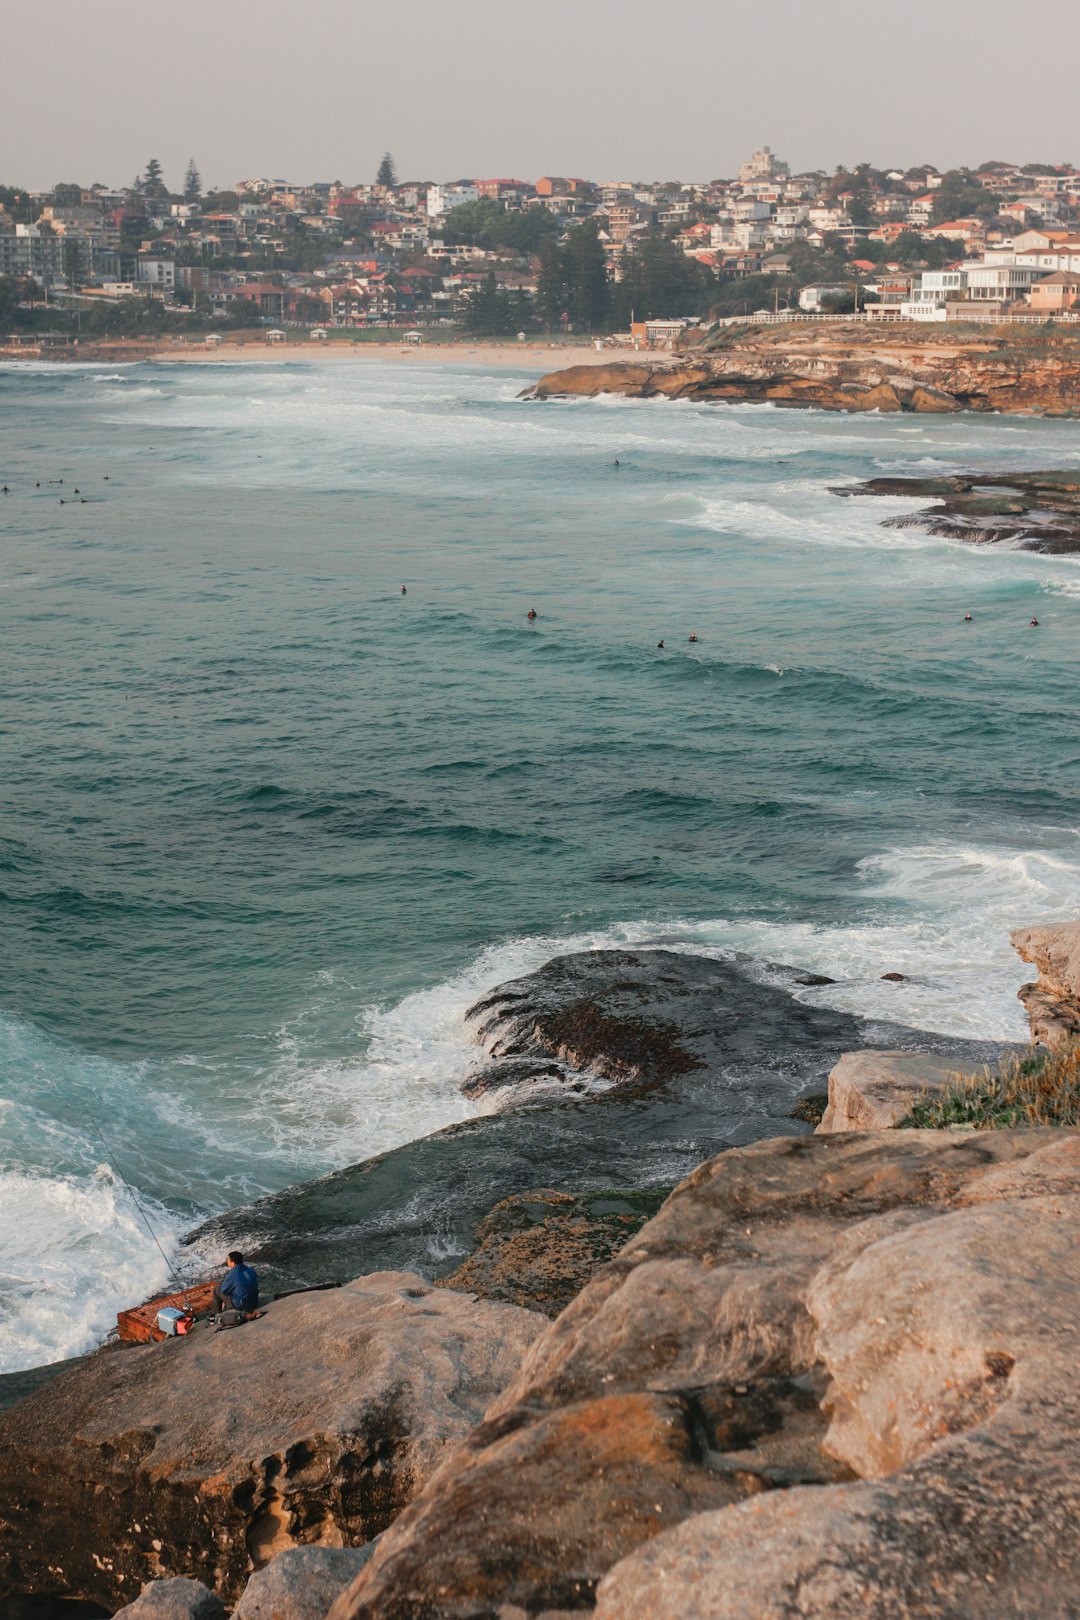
pixel 73 1250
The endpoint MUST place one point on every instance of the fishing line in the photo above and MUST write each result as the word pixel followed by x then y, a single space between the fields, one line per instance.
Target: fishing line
pixel 135 1197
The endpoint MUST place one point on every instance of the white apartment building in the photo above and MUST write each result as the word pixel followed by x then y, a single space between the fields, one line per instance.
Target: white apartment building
pixel 440 199
pixel 1004 282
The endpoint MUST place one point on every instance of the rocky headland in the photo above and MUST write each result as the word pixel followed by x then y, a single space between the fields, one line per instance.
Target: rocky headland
pixel 1031 511
pixel 853 367
pixel 827 1375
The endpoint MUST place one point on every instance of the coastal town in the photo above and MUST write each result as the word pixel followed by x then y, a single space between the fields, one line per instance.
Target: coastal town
pixel 622 261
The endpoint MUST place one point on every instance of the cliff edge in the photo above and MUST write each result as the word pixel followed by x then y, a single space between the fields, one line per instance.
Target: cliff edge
pixel 849 367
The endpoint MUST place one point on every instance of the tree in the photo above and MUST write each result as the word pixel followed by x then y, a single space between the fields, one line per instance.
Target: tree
pixel 552 291
pixel 152 184
pixel 659 281
pixel 192 183
pixel 387 175
pixel 586 274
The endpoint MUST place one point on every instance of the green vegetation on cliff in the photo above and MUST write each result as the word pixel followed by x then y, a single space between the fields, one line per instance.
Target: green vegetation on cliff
pixel 1036 1088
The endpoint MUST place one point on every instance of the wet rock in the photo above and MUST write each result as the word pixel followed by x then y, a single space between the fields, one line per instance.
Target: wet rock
pixel 539 1249
pixel 175 1599
pixel 1052 1003
pixel 668 1058
pixel 208 1456
pixel 1038 511
pixel 805 1322
pixel 869 1091
pixel 301 1583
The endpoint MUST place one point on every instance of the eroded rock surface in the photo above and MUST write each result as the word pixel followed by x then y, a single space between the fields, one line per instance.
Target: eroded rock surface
pixel 833 1377
pixel 1052 1002
pixel 870 1091
pixel 539 1249
pixel 207 1456
pixel 854 367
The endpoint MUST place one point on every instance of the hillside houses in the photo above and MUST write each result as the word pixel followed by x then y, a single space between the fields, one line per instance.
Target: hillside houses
pixel 281 251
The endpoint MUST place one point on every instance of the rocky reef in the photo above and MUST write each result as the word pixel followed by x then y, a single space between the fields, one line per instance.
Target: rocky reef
pixel 1031 511
pixel 854 367
pixel 616 1070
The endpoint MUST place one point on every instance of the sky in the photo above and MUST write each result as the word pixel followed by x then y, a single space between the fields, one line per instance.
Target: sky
pixel 606 89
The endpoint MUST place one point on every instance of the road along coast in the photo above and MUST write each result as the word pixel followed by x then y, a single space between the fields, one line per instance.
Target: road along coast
pixel 834 366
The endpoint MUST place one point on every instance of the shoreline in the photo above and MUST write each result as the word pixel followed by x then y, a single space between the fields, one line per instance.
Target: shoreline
pixel 527 356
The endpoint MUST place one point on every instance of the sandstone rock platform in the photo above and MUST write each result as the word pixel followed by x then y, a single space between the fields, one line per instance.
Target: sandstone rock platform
pixel 834 1376
pixel 870 1090
pixel 853 366
pixel 206 1456
pixel 1052 1002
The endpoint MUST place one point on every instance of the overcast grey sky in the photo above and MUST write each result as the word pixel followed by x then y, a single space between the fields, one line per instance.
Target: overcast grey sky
pixel 610 89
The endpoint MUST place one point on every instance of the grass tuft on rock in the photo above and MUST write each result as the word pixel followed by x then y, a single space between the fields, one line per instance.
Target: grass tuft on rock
pixel 1038 1087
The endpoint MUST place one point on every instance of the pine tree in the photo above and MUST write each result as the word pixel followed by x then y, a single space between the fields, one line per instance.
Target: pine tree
pixel 551 289
pixel 587 277
pixel 152 183
pixel 387 175
pixel 192 182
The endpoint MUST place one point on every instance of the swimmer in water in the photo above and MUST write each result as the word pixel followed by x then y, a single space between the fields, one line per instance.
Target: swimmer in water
pixel 531 614
pixel 659 646
pixel 1034 624
pixel 404 592
pixel 616 461
pixel 967 618
pixel 692 636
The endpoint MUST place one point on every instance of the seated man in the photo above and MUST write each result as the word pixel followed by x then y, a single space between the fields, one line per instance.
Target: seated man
pixel 238 1290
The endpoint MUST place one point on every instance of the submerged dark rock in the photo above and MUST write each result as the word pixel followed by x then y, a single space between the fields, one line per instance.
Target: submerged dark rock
pixel 666 1058
pixel 1032 511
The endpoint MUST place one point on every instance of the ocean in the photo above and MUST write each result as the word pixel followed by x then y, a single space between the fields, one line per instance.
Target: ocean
pixel 269 825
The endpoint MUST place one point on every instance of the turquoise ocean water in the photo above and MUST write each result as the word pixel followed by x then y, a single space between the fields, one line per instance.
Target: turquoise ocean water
pixel 269 825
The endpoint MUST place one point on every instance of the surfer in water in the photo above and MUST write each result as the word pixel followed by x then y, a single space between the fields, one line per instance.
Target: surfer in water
pixel 404 592
pixel 659 646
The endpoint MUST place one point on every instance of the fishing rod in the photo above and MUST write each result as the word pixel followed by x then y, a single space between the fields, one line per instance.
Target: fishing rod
pixel 135 1198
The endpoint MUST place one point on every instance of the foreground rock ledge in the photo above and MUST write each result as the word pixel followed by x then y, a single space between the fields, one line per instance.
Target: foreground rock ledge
pixel 205 1457
pixel 834 1377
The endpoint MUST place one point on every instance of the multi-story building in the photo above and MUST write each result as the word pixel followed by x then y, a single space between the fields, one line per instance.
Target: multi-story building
pixel 28 251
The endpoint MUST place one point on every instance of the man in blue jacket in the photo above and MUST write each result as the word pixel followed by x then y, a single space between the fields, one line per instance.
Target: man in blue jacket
pixel 238 1290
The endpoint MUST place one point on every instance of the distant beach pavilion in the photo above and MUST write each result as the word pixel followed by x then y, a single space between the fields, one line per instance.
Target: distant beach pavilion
pixel 275 335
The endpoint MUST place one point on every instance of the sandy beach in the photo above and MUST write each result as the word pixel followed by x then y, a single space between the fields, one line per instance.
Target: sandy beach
pixel 534 356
